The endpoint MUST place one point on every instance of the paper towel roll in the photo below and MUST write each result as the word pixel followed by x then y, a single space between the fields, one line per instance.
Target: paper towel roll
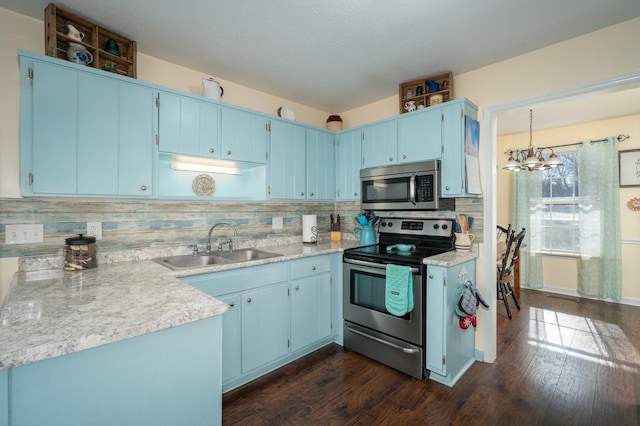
pixel 309 228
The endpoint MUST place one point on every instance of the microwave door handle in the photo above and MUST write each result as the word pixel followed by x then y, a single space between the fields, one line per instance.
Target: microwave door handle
pixel 412 188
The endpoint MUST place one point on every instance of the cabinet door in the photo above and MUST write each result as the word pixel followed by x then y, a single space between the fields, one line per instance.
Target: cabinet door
pixel 380 144
pixel 53 128
pixel 231 338
pixel 310 310
pixel 244 136
pixel 287 161
pixel 436 325
pixel 265 325
pixel 420 136
pixel 320 165
pixel 453 165
pixel 188 126
pixel 348 163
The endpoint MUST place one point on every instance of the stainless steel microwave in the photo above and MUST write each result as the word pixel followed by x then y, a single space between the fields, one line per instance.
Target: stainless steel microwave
pixel 410 186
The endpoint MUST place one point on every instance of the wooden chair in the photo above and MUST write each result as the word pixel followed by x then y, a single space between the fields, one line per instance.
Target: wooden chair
pixel 506 265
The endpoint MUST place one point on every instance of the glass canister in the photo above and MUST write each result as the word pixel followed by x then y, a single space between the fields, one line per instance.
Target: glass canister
pixel 80 253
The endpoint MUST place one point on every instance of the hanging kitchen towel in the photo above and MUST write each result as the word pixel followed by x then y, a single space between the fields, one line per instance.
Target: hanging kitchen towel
pixel 398 295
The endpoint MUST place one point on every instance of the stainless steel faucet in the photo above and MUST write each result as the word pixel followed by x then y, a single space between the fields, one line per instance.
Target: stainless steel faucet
pixel 229 242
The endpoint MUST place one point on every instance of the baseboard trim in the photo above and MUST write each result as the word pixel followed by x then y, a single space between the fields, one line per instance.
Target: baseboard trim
pixel 573 294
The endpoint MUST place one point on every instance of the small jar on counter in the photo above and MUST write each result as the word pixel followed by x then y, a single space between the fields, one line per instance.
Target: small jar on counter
pixel 80 253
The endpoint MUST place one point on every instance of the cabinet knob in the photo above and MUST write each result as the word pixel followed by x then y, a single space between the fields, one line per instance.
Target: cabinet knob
pixel 249 300
pixel 143 187
pixel 313 268
pixel 229 152
pixel 232 304
pixel 430 276
pixel 355 194
pixel 297 287
pixel 390 158
pixel 311 195
pixel 302 194
pixel 211 150
pixel 447 188
pixel 404 156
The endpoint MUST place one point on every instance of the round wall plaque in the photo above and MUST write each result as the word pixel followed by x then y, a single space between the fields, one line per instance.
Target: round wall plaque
pixel 203 185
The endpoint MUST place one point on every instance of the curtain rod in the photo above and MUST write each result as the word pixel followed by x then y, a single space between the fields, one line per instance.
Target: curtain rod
pixel 619 138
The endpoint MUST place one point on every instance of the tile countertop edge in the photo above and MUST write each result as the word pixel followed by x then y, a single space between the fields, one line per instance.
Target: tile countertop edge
pixel 52 313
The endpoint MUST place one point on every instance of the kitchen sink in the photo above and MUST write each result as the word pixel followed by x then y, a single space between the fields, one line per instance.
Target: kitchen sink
pixel 244 255
pixel 219 258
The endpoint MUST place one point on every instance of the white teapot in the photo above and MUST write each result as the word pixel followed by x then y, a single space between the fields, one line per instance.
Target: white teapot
pixel 74 33
pixel 410 106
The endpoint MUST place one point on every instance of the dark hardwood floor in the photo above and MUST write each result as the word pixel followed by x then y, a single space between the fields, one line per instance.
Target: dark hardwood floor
pixel 560 361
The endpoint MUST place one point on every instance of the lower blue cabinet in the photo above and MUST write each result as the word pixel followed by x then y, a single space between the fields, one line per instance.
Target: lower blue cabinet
pixel 277 313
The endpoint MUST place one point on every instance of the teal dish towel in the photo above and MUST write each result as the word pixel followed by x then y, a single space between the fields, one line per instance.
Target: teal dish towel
pixel 398 295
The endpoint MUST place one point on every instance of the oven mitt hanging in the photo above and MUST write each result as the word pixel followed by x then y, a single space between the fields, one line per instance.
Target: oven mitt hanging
pixel 398 294
pixel 468 298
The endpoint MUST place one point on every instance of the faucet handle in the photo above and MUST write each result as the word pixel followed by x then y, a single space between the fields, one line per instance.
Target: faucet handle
pixel 195 249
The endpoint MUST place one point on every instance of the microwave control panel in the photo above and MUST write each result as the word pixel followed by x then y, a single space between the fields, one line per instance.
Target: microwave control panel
pixel 424 188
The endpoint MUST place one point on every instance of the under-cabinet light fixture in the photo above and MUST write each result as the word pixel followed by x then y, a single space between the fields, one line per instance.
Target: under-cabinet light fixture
pixel 204 165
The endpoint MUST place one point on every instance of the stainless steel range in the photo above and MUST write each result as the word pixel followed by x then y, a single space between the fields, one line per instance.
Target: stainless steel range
pixel 397 341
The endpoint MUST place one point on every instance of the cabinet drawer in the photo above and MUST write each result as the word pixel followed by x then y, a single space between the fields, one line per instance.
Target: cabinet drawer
pixel 220 283
pixel 312 266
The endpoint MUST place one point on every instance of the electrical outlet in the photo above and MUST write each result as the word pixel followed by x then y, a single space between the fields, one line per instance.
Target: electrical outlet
pixel 24 234
pixel 276 223
pixel 94 229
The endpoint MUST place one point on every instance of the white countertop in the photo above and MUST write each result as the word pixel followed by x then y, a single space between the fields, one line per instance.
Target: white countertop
pixel 53 312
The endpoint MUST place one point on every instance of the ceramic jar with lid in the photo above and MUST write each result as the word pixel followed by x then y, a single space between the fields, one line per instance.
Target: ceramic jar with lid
pixel 80 253
pixel 334 122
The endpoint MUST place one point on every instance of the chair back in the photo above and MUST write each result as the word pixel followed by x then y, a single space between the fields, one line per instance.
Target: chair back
pixel 511 255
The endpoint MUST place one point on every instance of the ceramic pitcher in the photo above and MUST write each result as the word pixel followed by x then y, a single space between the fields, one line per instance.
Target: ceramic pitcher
pixel 365 234
pixel 212 89
pixel 463 241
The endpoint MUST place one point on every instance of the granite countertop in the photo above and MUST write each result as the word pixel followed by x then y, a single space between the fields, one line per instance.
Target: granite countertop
pixel 51 312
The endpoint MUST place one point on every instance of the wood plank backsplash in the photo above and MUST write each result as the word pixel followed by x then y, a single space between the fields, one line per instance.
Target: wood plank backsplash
pixel 131 224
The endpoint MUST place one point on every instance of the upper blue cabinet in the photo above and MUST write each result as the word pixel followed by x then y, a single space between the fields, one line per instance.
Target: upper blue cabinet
pixel 84 132
pixel 380 144
pixel 348 163
pixel 420 135
pixel 244 136
pixel 321 173
pixel 188 126
pixel 453 179
pixel 287 161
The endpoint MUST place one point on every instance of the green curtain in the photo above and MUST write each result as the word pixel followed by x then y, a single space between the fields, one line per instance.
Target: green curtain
pixel 528 213
pixel 599 264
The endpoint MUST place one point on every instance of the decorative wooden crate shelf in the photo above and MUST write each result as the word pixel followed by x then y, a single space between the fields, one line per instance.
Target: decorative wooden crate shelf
pixel 445 85
pixel 56 20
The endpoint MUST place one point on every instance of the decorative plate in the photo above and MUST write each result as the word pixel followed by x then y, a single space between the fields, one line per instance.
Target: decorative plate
pixel 634 204
pixel 203 185
pixel 286 112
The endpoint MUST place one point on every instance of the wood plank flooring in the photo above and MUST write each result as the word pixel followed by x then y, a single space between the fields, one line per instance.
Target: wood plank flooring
pixel 560 361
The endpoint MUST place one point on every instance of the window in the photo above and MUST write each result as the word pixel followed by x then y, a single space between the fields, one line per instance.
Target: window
pixel 560 233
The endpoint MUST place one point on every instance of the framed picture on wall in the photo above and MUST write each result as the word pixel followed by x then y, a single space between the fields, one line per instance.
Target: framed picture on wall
pixel 629 167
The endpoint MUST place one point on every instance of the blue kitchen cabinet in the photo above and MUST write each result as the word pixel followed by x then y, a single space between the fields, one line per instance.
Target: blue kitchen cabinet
pixel 348 164
pixel 310 301
pixel 244 136
pixel 453 174
pixel 320 165
pixel 188 126
pixel 231 338
pixel 420 135
pixel 265 325
pixel 287 161
pixel 450 349
pixel 84 132
pixel 4 398
pixel 168 377
pixel 380 144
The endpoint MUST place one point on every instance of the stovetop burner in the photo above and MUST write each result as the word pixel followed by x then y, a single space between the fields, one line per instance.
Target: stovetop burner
pixel 429 236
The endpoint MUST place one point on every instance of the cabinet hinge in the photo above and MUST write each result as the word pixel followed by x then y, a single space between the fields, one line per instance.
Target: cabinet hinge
pixel 462 113
pixel 269 190
pixel 444 360
pixel 268 127
pixel 288 292
pixel 441 117
pixel 158 100
pixel 288 343
pixel 442 149
pixel 444 282
pixel 30 73
pixel 266 155
pixel 30 178
pixel 157 139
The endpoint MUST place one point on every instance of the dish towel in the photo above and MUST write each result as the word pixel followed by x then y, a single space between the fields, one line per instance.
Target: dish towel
pixel 398 295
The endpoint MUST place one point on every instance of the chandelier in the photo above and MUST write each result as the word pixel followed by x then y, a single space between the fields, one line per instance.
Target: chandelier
pixel 531 158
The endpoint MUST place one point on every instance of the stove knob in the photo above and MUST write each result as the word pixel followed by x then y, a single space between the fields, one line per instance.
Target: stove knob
pixel 445 226
pixel 390 224
pixel 383 224
pixel 436 226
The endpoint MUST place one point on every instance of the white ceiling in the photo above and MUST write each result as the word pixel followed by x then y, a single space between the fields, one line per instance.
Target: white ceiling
pixel 334 55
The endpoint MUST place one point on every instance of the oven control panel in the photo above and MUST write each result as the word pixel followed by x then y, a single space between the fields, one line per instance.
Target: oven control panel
pixel 417 227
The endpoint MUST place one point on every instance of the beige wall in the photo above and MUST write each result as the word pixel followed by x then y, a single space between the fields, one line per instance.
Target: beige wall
pixel 560 274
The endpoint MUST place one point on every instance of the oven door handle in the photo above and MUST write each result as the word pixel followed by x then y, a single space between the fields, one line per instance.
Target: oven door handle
pixel 412 188
pixel 375 265
pixel 384 342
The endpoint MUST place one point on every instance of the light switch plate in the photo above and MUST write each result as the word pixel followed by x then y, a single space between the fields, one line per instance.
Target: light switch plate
pixel 24 234
pixel 276 223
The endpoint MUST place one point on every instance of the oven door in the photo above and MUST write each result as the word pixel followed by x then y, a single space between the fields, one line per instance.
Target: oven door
pixel 364 296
